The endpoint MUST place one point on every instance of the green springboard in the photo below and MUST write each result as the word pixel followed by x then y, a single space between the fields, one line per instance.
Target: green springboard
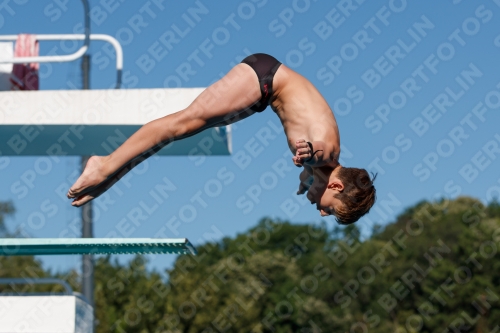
pixel 60 246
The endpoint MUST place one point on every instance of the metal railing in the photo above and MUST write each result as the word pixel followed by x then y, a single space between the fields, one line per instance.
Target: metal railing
pixel 18 281
pixel 10 281
pixel 86 37
pixel 69 57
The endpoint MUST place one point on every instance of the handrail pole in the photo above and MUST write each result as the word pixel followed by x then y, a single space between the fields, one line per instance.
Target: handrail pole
pixel 86 20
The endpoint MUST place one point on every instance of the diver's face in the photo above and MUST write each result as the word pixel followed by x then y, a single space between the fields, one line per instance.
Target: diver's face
pixel 323 197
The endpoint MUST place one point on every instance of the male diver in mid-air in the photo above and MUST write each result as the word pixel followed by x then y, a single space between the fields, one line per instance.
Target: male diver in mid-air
pixel 258 81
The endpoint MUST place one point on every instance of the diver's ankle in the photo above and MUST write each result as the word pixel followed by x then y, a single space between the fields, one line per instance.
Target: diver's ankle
pixel 106 165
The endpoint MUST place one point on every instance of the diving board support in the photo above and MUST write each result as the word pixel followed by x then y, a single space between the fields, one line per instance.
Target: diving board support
pixel 63 246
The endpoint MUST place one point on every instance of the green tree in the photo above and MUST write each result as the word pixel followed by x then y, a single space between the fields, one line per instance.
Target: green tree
pixel 302 278
pixel 26 267
pixel 6 209
pixel 435 268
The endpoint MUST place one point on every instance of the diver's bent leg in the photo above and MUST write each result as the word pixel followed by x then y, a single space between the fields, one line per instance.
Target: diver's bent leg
pixel 219 103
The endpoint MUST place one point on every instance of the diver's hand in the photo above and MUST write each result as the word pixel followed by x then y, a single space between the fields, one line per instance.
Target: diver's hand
pixel 302 152
pixel 306 179
pixel 302 188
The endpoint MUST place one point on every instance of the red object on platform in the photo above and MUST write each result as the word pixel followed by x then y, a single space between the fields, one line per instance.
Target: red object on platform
pixel 25 76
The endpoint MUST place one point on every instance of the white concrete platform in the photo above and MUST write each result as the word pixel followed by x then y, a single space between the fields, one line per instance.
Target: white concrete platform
pixel 95 122
pixel 45 314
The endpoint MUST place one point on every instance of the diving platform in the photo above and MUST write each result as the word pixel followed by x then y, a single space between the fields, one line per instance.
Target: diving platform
pixel 45 314
pixel 49 312
pixel 96 122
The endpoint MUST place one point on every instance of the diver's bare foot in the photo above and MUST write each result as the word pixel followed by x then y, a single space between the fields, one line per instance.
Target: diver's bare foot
pixel 96 191
pixel 92 176
pixel 82 200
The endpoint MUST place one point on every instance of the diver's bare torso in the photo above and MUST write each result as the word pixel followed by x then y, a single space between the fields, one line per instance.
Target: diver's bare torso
pixel 304 113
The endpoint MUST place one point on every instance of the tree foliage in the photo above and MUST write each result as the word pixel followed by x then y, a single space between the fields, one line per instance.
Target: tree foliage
pixel 435 269
pixel 6 209
pixel 26 268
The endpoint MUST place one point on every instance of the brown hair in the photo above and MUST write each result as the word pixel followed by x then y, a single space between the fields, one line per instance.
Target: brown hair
pixel 357 197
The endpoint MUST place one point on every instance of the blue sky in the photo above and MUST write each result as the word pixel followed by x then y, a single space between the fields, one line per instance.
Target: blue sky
pixel 414 86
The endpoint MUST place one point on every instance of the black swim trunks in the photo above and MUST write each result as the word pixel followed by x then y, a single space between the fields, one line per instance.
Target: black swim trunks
pixel 265 66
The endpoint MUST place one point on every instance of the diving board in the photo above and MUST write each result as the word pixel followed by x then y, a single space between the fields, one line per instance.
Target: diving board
pixel 60 246
pixel 95 122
